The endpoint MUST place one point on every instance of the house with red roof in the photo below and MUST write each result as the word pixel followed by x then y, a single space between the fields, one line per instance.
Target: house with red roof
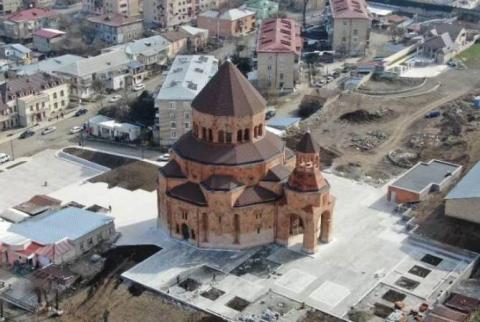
pixel 349 26
pixel 278 51
pixel 22 24
pixel 45 39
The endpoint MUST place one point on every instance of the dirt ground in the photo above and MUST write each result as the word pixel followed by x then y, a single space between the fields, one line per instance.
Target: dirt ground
pixel 107 160
pixel 362 145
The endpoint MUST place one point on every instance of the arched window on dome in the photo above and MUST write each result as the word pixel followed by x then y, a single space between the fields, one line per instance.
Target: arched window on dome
pixel 221 136
pixel 195 129
pixel 204 133
pixel 228 137
pixel 246 134
pixel 210 135
pixel 239 136
pixel 260 130
pixel 255 132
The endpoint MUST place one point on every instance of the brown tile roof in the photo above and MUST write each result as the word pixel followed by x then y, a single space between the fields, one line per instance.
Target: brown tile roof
pixel 277 173
pixel 462 303
pixel 255 195
pixel 307 144
pixel 24 86
pixel 279 35
pixel 229 93
pixel 172 170
pixel 221 183
pixel 191 148
pixel 349 9
pixel 189 192
pixel 37 204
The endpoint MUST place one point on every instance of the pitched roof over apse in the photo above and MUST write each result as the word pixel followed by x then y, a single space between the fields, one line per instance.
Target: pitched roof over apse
pixel 172 170
pixel 279 35
pixel 189 192
pixel 351 9
pixel 469 186
pixel 229 93
pixel 277 173
pixel 307 144
pixel 255 195
pixel 221 183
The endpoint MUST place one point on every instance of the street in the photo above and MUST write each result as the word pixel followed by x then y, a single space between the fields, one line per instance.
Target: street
pixel 16 147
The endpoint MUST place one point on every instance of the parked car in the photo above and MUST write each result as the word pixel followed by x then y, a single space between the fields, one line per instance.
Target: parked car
pixel 115 98
pixel 4 158
pixel 48 130
pixel 138 87
pixel 81 111
pixel 76 129
pixel 26 134
pixel 271 112
pixel 164 157
pixel 432 114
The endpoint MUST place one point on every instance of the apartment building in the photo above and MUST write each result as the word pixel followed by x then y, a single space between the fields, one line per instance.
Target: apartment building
pixel 168 13
pixel 229 24
pixel 30 100
pixel 10 6
pixel 349 26
pixel 117 29
pixel 45 40
pixel 126 8
pixel 17 54
pixel 22 24
pixel 278 52
pixel 186 78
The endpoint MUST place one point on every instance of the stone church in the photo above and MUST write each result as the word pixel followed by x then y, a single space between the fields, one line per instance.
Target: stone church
pixel 231 184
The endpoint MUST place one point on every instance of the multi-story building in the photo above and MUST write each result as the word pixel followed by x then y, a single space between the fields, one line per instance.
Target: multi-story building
pixel 10 6
pixel 117 29
pixel 278 52
pixel 185 79
pixel 113 70
pixel 44 40
pixel 33 99
pixel 231 184
pixel 126 8
pixel 18 54
pixel 168 13
pixel 264 9
pixel 231 23
pixel 349 26
pixel 22 24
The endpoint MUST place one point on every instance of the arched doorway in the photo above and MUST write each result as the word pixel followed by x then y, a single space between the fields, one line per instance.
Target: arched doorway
pixel 185 231
pixel 325 227
pixel 295 231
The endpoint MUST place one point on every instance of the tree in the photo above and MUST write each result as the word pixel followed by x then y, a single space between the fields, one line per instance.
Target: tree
pixel 244 64
pixel 304 13
pixel 308 107
pixel 142 110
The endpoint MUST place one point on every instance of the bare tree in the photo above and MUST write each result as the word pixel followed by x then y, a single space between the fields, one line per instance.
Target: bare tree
pixel 304 13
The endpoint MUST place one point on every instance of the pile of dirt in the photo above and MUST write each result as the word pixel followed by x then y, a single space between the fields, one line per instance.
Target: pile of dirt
pixel 364 116
pixel 107 160
pixel 132 176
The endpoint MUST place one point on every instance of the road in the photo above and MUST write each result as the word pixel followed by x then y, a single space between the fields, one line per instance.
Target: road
pixel 61 137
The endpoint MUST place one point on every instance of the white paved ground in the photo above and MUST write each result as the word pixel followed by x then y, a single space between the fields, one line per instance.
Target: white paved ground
pixel 26 180
pixel 428 71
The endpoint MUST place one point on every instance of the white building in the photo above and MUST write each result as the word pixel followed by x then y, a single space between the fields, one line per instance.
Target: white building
pixel 186 78
pixel 106 128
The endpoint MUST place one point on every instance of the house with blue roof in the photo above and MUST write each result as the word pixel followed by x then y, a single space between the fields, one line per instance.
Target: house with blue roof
pixel 463 201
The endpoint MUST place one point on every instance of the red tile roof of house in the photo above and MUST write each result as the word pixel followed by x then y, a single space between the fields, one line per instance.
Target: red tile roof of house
pixel 351 9
pixel 279 35
pixel 30 250
pixel 116 20
pixel 48 33
pixel 32 14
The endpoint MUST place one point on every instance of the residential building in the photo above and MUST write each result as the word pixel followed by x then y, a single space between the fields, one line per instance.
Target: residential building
pixel 348 27
pixel 186 78
pixel 178 40
pixel 22 24
pixel 10 6
pixel 126 8
pixel 197 38
pixel 44 40
pixel 463 201
pixel 230 184
pixel 443 41
pixel 18 54
pixel 416 184
pixel 228 24
pixel 278 52
pixel 49 65
pixel 169 13
pixel 264 9
pixel 312 5
pixel 151 51
pixel 72 231
pixel 111 69
pixel 117 29
pixel 37 98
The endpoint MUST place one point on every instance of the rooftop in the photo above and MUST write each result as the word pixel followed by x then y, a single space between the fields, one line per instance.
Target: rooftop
pixel 96 64
pixel 423 175
pixel 231 14
pixel 187 77
pixel 469 186
pixel 48 33
pixel 229 93
pixel 279 35
pixel 116 20
pixel 37 204
pixel 23 86
pixel 48 65
pixel 71 223
pixel 350 9
pixel 144 46
pixel 32 14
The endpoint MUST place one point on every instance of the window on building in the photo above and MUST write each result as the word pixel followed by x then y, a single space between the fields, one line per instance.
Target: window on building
pixel 173 134
pixel 344 39
pixel 210 135
pixel 184 215
pixel 355 31
pixel 62 103
pixel 173 125
pixel 54 95
pixel 187 125
pixel 177 229
pixel 172 116
pixel 62 93
pixel 187 115
pixel 269 67
pixel 221 136
pixel 204 133
pixel 228 137
pixel 171 105
pixel 281 75
pixel 55 105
